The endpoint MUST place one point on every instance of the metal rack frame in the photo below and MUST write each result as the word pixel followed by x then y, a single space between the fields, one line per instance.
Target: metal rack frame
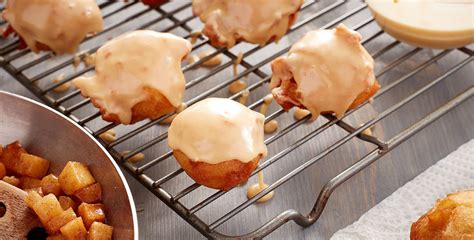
pixel 10 54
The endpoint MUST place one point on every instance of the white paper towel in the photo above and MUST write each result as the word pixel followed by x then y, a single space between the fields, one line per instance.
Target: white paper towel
pixel 392 218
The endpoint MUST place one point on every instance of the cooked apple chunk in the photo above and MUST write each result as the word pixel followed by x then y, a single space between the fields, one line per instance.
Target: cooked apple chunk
pixel 12 180
pixel 32 198
pixel 32 166
pixel 66 205
pixel 50 184
pixel 46 208
pixel 100 231
pixel 3 170
pixel 55 237
pixel 53 225
pixel 67 202
pixel 29 183
pixel 38 190
pixel 90 194
pixel 11 156
pixel 75 176
pixel 91 213
pixel 74 230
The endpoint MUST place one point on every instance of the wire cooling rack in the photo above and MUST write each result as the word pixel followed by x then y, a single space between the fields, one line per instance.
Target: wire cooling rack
pixel 158 170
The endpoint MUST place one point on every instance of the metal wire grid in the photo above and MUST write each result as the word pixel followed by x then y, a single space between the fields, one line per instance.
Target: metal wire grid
pixel 111 9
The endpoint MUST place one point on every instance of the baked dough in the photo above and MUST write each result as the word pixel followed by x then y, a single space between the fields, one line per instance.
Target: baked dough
pixel 56 25
pixel 451 218
pixel 218 142
pixel 327 71
pixel 254 21
pixel 138 76
pixel 223 176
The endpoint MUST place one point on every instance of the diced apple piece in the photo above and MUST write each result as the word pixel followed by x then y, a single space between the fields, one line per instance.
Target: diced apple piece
pixel 29 183
pixel 90 194
pixel 47 208
pixel 50 184
pixel 12 180
pixel 100 231
pixel 53 225
pixel 11 156
pixel 38 190
pixel 55 237
pixel 91 213
pixel 67 202
pixel 75 176
pixel 74 230
pixel 32 166
pixel 32 198
pixel 3 170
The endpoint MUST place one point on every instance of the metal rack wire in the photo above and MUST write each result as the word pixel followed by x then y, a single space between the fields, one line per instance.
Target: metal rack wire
pixel 35 72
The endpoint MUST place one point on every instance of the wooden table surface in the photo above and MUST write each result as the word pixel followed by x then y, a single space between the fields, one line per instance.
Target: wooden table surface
pixel 356 196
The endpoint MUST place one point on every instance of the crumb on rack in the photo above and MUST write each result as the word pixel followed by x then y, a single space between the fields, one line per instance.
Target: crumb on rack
pixel 213 61
pixel 270 126
pixel 244 97
pixel 89 59
pixel 368 131
pixel 192 58
pixel 63 87
pixel 237 61
pixel 76 60
pixel 194 36
pixel 108 136
pixel 135 158
pixel 268 98
pixel 300 113
pixel 237 86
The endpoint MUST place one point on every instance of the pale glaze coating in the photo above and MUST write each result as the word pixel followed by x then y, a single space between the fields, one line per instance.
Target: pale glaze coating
pixel 60 25
pixel 128 64
pixel 215 130
pixel 330 68
pixel 254 21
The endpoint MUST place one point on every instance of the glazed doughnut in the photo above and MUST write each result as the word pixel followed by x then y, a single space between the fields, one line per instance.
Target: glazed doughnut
pixel 451 218
pixel 59 26
pixel 327 71
pixel 218 142
pixel 253 21
pixel 138 76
